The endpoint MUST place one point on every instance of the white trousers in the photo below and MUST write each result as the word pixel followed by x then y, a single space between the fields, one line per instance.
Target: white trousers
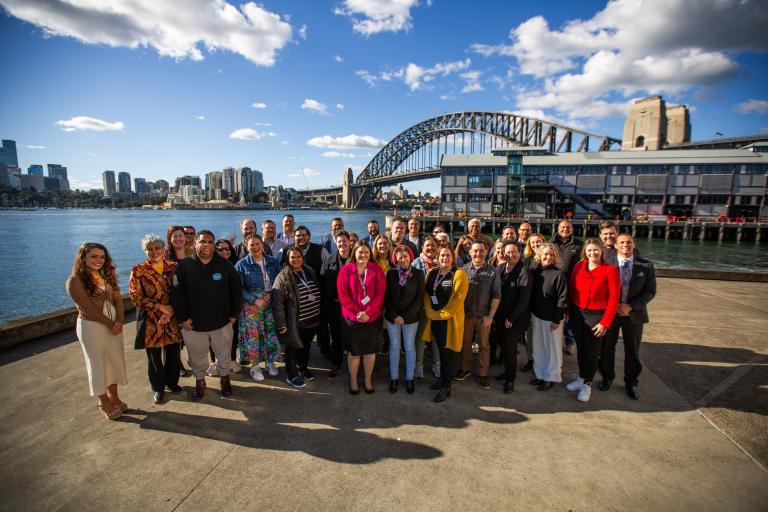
pixel 547 350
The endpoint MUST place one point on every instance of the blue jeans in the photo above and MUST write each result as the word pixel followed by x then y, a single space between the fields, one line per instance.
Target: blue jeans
pixel 409 342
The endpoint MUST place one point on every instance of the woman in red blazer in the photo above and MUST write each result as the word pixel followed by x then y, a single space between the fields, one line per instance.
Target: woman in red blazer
pixel 594 291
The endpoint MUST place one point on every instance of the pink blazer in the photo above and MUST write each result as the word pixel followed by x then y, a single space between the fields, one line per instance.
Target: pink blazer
pixel 351 292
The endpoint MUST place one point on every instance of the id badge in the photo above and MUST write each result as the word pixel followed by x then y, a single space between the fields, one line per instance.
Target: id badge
pixel 365 300
pixel 434 300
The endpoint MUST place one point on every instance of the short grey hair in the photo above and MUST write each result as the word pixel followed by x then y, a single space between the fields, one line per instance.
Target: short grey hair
pixel 150 240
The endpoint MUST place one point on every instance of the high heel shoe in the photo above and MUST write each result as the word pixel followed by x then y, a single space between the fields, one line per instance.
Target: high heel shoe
pixel 110 414
pixel 353 391
pixel 369 391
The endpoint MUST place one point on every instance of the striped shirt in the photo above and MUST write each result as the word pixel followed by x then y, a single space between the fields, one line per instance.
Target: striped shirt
pixel 309 300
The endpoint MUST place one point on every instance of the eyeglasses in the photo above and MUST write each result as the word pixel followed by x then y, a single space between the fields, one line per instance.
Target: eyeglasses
pixel 223 249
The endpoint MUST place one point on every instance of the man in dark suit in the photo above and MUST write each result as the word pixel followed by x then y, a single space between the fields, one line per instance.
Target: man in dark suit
pixel 638 287
pixel 329 241
pixel 608 233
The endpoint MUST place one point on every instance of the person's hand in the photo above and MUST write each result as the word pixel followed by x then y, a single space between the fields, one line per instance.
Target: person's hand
pixel 260 303
pixel 624 309
pixel 399 320
pixel 507 324
pixel 187 325
pixel 554 326
pixel 165 309
pixel 164 319
pixel 363 317
pixel 282 330
pixel 232 320
pixel 266 299
pixel 486 323
pixel 117 327
pixel 599 330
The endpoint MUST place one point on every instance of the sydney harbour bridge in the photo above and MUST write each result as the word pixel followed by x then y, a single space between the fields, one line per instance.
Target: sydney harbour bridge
pixel 415 153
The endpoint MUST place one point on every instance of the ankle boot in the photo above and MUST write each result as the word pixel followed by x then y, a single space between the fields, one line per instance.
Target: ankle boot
pixel 442 395
pixel 199 391
pixel 226 386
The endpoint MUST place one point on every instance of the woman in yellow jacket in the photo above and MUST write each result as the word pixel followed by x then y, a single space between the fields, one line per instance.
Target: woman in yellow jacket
pixel 445 291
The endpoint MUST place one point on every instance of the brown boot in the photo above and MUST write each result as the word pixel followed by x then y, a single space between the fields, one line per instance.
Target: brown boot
pixel 199 391
pixel 226 386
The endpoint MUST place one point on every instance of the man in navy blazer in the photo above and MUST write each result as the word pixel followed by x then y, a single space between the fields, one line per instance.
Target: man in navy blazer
pixel 638 287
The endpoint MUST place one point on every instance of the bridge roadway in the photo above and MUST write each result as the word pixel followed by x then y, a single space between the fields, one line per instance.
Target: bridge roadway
pixel 695 441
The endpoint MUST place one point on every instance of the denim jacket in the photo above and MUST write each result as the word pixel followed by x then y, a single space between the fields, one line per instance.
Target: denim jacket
pixel 252 278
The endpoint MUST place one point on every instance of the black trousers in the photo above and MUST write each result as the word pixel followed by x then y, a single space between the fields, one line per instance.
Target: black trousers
pixel 161 373
pixel 334 326
pixel 588 346
pixel 323 338
pixel 509 338
pixel 449 359
pixel 632 333
pixel 295 357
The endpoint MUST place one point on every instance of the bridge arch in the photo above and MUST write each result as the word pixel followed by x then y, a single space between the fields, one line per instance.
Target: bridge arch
pixel 509 128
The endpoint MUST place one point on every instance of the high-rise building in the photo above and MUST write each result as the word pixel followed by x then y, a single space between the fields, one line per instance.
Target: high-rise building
pixel 162 186
pixel 243 182
pixel 8 155
pixel 108 180
pixel 214 182
pixel 123 183
pixel 140 186
pixel 258 182
pixel 35 169
pixel 187 180
pixel 60 172
pixel 228 180
pixel 32 181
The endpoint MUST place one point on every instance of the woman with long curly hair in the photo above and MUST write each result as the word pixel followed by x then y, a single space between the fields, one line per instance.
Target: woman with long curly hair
pixel 93 287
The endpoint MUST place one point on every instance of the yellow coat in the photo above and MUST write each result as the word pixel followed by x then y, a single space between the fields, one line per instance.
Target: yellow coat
pixel 453 312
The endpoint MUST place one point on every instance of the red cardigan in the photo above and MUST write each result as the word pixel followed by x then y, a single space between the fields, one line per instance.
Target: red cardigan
pixel 597 289
pixel 351 292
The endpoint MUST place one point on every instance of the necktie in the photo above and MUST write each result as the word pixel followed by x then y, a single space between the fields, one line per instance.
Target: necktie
pixel 626 277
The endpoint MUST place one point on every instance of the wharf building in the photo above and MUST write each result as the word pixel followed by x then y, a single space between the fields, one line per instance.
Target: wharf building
pixel 653 174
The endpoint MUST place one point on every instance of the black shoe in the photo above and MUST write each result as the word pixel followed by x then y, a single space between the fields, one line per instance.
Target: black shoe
pixel 483 381
pixel 633 392
pixel 174 389
pixel 226 386
pixel 199 391
pixel 461 374
pixel 437 386
pixel 308 375
pixel 527 366
pixel 369 391
pixel 442 395
pixel 509 387
pixel 393 386
pixel 157 397
pixel 605 384
pixel 353 391
pixel 536 382
pixel 335 371
pixel 410 387
pixel 501 377
pixel 545 386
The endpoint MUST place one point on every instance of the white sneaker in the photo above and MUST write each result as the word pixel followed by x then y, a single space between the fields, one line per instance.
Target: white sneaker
pixel 235 368
pixel 212 370
pixel 575 385
pixel 272 370
pixel 256 374
pixel 436 370
pixel 584 393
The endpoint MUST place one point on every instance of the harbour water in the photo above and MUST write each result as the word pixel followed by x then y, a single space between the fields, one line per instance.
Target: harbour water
pixel 40 245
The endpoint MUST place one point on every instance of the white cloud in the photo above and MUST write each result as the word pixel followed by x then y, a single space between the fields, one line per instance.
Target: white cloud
pixel 285 142
pixel 200 118
pixel 246 134
pixel 759 106
pixel 446 97
pixel 340 106
pixel 631 47
pixel 76 183
pixel 374 16
pixel 262 124
pixel 315 106
pixel 32 146
pixel 346 142
pixel 82 123
pixel 306 172
pixel 303 32
pixel 336 154
pixel 338 58
pixel 271 134
pixel 472 79
pixel 414 76
pixel 259 105
pixel 175 28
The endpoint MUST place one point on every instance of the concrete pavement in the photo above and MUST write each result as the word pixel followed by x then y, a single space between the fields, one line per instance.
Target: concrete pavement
pixel 695 441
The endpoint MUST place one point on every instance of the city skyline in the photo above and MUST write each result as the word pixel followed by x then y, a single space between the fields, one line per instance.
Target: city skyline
pixel 309 88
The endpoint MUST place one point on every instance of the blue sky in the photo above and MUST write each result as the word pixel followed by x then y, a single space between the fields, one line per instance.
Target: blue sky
pixel 302 89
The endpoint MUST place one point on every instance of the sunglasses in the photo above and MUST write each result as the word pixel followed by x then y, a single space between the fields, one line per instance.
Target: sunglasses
pixel 222 249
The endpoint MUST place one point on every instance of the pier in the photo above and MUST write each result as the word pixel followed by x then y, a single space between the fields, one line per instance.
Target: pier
pixel 695 439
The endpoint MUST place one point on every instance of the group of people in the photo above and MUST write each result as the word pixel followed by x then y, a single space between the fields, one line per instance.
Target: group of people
pixel 263 301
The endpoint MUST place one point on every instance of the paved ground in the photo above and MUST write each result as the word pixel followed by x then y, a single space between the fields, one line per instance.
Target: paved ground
pixel 695 441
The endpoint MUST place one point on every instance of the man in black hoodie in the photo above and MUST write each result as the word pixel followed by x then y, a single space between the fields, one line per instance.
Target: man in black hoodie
pixel 206 298
pixel 570 252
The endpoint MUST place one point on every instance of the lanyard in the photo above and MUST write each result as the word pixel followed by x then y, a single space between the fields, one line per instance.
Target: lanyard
pixel 303 279
pixel 362 281
pixel 438 280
